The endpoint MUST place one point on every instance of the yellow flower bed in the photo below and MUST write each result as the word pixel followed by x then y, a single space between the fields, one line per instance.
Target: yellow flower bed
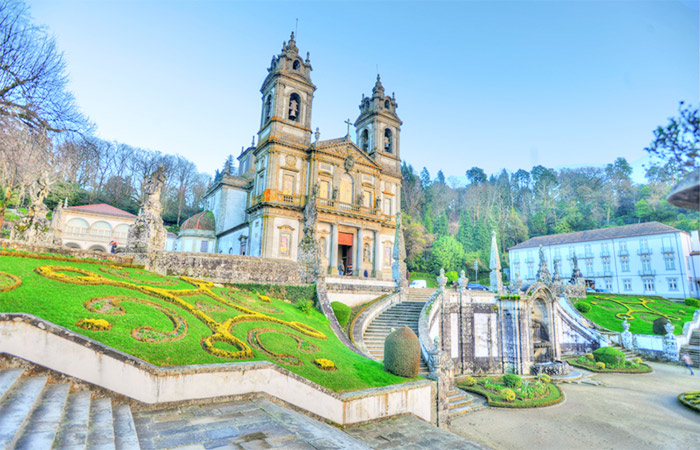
pixel 94 324
pixel 9 282
pixel 325 364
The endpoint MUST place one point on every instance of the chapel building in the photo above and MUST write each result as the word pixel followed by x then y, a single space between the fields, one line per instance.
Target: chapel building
pixel 259 211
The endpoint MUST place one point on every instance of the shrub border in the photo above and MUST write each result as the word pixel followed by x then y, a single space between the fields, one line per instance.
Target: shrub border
pixel 534 403
pixel 574 363
pixel 686 403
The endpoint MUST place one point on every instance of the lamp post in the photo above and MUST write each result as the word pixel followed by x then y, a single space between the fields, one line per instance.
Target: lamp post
pixel 476 271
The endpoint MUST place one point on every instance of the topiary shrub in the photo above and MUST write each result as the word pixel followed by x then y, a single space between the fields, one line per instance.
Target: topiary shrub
pixel 305 306
pixel 512 380
pixel 611 356
pixel 583 307
pixel 590 356
pixel 402 353
pixel 342 312
pixel 470 381
pixel 660 325
pixel 692 302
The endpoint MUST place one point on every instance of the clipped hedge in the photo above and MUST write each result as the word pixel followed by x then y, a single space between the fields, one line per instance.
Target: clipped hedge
pixel 342 312
pixel 659 326
pixel 583 307
pixel 292 293
pixel 611 356
pixel 512 380
pixel 693 302
pixel 402 353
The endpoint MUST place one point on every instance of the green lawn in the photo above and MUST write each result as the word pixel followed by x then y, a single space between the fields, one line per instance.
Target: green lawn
pixel 609 311
pixel 169 321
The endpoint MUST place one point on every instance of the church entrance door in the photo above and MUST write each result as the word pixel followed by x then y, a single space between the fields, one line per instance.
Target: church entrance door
pixel 345 251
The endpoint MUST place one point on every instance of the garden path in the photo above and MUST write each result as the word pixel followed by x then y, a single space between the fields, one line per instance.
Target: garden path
pixel 623 412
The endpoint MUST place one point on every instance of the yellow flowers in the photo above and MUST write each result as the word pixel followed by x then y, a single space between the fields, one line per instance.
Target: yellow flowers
pixel 600 365
pixel 326 364
pixel 470 381
pixel 508 394
pixel 94 324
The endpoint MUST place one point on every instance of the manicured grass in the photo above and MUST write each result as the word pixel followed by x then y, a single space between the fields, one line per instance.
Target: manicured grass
pixel 535 394
pixel 589 364
pixel 609 311
pixel 170 322
pixel 691 400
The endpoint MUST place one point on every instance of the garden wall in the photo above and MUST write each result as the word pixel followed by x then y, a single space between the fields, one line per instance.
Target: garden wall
pixel 222 268
pixel 64 251
pixel 61 350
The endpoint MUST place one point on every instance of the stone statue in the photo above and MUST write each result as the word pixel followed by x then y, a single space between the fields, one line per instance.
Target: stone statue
pixel 576 275
pixel 148 234
pixel 496 284
pixel 309 251
pixel 442 279
pixel 462 281
pixel 35 228
pixel 543 274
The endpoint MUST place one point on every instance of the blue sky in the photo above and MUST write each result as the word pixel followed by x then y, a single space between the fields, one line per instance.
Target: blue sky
pixel 488 84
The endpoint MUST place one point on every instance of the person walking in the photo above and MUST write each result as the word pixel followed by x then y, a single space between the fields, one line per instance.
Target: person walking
pixel 688 362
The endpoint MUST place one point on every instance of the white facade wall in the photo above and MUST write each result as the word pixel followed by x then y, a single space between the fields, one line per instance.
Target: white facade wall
pixel 657 264
pixel 230 244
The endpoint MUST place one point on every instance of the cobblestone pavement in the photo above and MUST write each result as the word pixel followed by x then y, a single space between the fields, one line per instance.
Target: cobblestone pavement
pixel 409 432
pixel 245 424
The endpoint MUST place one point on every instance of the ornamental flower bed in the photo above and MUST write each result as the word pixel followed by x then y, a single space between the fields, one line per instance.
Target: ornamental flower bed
pixel 513 391
pixel 691 400
pixel 592 362
pixel 172 321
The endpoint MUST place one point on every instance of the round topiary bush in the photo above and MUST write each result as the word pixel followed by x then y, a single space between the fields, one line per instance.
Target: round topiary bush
pixel 692 302
pixel 508 394
pixel 583 307
pixel 660 325
pixel 512 380
pixel 342 312
pixel 600 365
pixel 402 353
pixel 611 356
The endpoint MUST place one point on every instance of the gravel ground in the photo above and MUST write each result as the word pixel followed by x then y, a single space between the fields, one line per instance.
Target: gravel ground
pixel 624 412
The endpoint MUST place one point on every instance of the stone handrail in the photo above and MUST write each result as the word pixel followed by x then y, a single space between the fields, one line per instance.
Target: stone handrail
pixel 583 325
pixel 59 349
pixel 688 328
pixel 327 310
pixel 363 319
pixel 425 322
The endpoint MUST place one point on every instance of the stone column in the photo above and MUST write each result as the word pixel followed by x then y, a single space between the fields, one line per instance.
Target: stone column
pixel 334 249
pixel 358 264
pixel 376 270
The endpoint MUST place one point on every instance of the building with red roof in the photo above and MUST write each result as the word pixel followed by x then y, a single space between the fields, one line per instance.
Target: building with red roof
pixel 92 227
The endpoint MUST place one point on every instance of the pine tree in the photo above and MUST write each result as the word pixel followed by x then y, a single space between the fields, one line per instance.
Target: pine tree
pixel 425 178
pixel 465 234
pixel 442 225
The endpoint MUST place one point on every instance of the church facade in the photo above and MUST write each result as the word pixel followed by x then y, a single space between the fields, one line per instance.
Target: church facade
pixel 259 209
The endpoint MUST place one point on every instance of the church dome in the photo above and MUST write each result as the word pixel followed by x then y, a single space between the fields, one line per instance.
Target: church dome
pixel 201 221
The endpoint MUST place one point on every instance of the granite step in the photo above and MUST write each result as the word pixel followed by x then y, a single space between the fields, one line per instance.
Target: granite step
pixel 40 430
pixel 73 431
pixel 101 426
pixel 7 379
pixel 16 408
pixel 125 436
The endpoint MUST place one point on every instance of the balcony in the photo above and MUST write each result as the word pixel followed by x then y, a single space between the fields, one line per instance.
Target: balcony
pixel 587 255
pixel 361 211
pixel 605 253
pixel 623 252
pixel 644 251
pixel 667 250
pixel 647 273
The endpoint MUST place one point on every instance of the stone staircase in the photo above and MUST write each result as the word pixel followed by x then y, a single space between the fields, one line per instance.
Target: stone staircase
pixel 629 354
pixel 38 415
pixel 463 402
pixel 693 348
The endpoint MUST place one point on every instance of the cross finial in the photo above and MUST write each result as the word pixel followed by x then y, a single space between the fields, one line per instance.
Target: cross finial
pixel 349 123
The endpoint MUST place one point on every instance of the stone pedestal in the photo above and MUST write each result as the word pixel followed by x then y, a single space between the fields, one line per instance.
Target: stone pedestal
pixel 444 373
pixel 148 234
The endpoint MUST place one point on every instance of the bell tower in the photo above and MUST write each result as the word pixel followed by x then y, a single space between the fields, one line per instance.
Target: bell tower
pixel 287 96
pixel 378 128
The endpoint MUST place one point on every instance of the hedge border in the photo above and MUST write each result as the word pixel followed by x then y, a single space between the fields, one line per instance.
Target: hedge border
pixel 574 363
pixel 518 403
pixel 685 402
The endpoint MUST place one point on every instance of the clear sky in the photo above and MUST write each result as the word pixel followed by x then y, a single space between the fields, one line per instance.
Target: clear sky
pixel 489 84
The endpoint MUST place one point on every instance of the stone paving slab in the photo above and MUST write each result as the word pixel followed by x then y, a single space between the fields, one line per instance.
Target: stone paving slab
pixel 409 432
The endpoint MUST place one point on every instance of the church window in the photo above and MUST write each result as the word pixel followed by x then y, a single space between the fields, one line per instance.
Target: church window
pixel 294 105
pixel 296 65
pixel 388 140
pixel 346 188
pixel 267 108
pixel 288 182
pixel 387 104
pixel 324 189
pixel 364 140
pixel 285 244
pixel 261 183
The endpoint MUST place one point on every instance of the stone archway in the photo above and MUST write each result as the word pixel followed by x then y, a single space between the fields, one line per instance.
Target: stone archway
pixel 543 335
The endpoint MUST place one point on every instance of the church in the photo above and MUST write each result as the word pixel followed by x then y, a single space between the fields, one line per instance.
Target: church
pixel 259 210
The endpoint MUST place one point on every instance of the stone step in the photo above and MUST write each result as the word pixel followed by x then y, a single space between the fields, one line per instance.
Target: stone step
pixel 74 428
pixel 40 430
pixel 125 436
pixel 101 427
pixel 16 407
pixel 7 379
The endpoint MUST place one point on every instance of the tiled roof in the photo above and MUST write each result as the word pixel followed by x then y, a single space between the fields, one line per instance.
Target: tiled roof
pixel 625 231
pixel 102 208
pixel 200 221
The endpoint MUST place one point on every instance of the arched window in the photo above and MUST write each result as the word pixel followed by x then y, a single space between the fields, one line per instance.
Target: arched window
pixel 346 188
pixel 364 140
pixel 388 141
pixel 294 107
pixel 77 226
pixel 121 231
pixel 101 229
pixel 387 104
pixel 267 108
pixel 296 65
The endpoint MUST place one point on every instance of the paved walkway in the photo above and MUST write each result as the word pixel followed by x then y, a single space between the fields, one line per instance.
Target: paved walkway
pixel 623 412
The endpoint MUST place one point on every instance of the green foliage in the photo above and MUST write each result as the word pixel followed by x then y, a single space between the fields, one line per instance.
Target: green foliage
pixel 402 353
pixel 469 381
pixel 659 326
pixel 583 307
pixel 676 147
pixel 293 293
pixel 512 380
pixel 342 312
pixel 452 276
pixel 305 306
pixel 611 356
pixel 447 253
pixel 692 302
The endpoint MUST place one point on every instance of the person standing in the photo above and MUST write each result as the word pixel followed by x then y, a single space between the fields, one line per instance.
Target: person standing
pixel 341 268
pixel 688 362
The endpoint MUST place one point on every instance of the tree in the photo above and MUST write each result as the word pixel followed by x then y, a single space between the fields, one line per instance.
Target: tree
pixel 425 178
pixel 476 175
pixel 33 80
pixel 440 177
pixel 446 254
pixel 676 146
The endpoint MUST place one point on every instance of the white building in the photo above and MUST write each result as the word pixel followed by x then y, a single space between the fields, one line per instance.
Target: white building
pixel 641 259
pixel 92 227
